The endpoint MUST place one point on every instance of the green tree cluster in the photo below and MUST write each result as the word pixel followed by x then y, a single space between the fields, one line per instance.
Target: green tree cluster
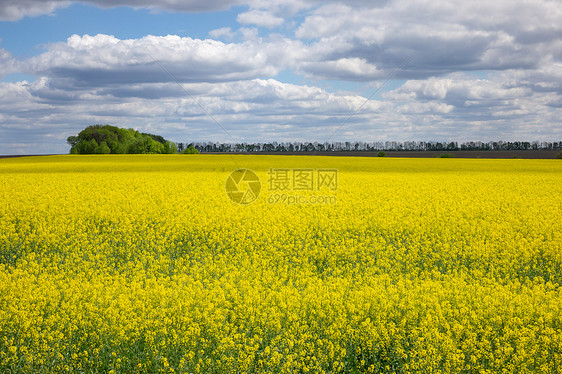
pixel 191 150
pixel 104 139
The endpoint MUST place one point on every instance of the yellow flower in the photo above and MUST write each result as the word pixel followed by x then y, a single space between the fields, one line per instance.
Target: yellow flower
pixel 144 263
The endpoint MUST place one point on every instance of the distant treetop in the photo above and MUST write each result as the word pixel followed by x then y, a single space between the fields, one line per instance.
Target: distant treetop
pixel 104 139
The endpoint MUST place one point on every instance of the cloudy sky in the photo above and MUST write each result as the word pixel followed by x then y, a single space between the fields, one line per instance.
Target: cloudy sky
pixel 284 70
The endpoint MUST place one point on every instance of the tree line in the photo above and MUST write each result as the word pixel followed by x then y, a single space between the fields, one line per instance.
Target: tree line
pixel 105 139
pixel 374 146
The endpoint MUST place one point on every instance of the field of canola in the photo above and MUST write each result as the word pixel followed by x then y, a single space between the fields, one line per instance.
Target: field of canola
pixel 142 264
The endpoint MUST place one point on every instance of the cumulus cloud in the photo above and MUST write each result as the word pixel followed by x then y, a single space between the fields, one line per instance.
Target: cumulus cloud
pixel 173 5
pixel 222 32
pixel 439 36
pixel 249 110
pixel 353 68
pixel 8 64
pixel 260 18
pixel 13 10
pixel 102 60
pixel 487 106
pixel 456 106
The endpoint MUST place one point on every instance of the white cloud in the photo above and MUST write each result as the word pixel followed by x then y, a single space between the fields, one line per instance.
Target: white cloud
pixel 249 110
pixel 103 60
pixel 14 10
pixel 260 18
pixel 454 107
pixel 222 32
pixel 489 108
pixel 439 36
pixel 353 68
pixel 8 64
pixel 425 108
pixel 172 5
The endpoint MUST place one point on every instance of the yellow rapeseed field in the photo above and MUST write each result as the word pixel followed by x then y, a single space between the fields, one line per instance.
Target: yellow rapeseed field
pixel 145 264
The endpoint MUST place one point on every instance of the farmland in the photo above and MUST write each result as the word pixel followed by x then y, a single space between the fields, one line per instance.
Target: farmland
pixel 144 264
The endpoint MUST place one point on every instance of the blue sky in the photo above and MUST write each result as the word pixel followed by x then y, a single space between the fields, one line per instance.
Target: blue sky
pixel 281 70
pixel 26 37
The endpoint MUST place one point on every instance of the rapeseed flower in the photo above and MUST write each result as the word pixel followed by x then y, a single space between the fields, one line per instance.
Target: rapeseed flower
pixel 143 264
